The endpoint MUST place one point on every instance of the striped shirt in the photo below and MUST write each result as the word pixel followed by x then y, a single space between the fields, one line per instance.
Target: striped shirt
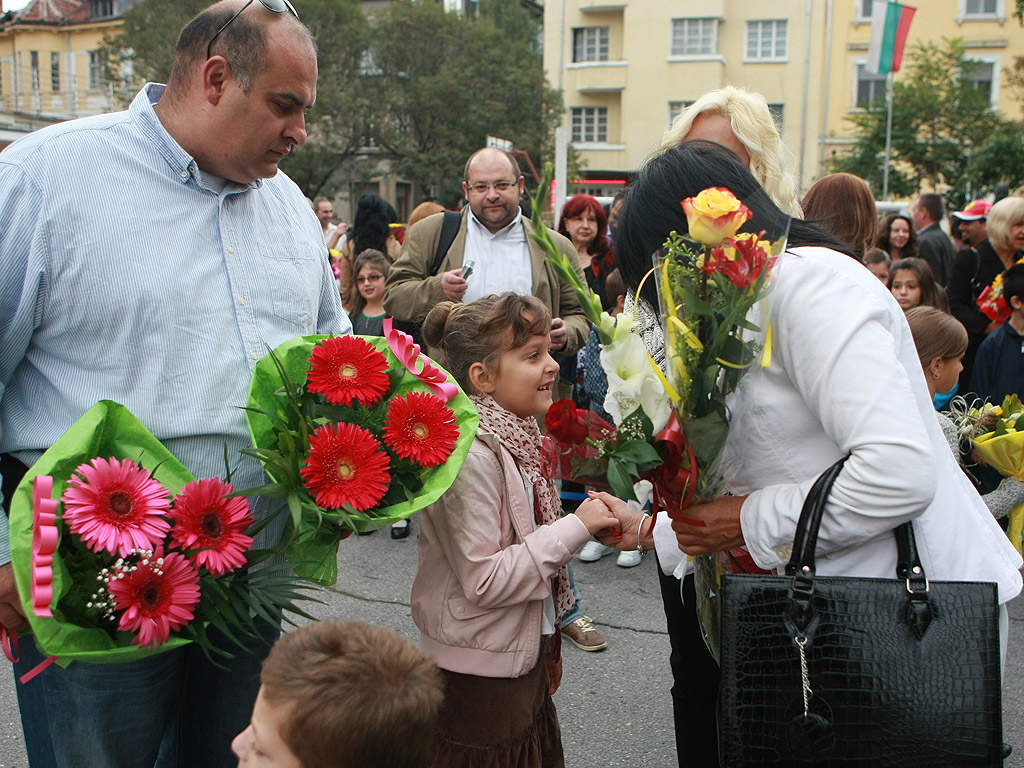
pixel 126 275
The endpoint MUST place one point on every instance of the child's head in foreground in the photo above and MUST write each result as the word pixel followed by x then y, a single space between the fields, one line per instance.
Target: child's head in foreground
pixel 345 695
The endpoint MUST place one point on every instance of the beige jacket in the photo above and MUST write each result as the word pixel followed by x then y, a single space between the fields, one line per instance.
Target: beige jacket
pixel 411 291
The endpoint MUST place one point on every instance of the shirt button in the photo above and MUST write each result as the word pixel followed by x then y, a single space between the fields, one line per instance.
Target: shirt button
pixel 255 356
pixel 184 174
pixel 241 302
pixel 192 167
pixel 231 249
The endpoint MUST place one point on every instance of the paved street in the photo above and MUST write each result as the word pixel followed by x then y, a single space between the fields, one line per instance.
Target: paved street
pixel 613 705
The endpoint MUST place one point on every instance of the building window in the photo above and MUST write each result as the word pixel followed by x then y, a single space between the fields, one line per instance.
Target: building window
pixel 95 71
pixel 694 37
pixel 101 9
pixel 590 44
pixel 766 40
pixel 54 71
pixel 675 108
pixel 33 64
pixel 870 87
pixel 778 112
pixel 863 9
pixel 590 125
pixel 980 7
pixel 982 73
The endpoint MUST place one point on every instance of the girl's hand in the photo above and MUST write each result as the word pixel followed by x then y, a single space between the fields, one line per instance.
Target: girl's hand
pixel 720 532
pixel 625 537
pixel 595 514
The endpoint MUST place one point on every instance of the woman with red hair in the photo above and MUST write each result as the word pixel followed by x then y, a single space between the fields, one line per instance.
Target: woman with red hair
pixel 584 222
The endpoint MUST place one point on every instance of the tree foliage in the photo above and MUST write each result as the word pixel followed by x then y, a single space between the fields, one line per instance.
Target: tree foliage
pixel 445 82
pixel 945 134
pixel 413 85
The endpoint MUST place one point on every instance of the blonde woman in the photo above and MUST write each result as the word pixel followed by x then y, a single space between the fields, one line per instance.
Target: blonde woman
pixel 741 121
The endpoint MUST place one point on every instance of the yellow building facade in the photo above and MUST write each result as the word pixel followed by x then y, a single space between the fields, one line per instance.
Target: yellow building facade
pixel 627 67
pixel 50 65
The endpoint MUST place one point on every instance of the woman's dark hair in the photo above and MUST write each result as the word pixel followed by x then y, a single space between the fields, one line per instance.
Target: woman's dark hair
pixel 372 225
pixel 910 249
pixel 576 206
pixel 932 294
pixel 653 207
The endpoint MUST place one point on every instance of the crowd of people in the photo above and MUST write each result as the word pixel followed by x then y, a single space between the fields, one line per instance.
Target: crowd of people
pixel 875 324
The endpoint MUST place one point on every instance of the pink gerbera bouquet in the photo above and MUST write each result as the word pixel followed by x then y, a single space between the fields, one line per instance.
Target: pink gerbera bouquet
pixel 119 552
pixel 355 433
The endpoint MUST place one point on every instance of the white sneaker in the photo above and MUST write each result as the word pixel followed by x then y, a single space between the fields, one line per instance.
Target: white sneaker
pixel 628 559
pixel 593 551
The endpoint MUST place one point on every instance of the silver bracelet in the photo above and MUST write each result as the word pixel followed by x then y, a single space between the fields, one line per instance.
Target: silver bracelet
pixel 639 546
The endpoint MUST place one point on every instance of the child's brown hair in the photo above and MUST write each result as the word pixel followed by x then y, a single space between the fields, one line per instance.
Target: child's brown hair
pixel 459 335
pixel 356 696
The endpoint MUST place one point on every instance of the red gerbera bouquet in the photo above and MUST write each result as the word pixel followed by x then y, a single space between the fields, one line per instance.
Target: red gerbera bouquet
pixel 119 552
pixel 355 433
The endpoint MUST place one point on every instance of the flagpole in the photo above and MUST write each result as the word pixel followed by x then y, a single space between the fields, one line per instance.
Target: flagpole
pixel 888 136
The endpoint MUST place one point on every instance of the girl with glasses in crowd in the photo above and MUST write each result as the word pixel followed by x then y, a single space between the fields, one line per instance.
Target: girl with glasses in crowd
pixel 366 296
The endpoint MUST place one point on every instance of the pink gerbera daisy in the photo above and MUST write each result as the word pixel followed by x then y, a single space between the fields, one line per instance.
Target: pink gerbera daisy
pixel 347 369
pixel 157 595
pixel 116 506
pixel 205 520
pixel 346 466
pixel 421 427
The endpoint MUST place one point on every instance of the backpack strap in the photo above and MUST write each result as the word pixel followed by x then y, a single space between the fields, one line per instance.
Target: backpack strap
pixel 449 229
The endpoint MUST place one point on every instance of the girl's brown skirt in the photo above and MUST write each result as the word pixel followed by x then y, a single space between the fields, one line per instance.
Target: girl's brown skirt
pixel 491 722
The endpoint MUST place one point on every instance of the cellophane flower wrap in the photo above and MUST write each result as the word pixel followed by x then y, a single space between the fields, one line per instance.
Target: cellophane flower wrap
pixel 996 432
pixel 355 433
pixel 120 553
pixel 579 444
pixel 708 282
pixel 991 301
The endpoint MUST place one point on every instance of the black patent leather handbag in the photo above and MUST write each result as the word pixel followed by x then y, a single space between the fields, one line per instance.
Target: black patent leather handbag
pixel 844 672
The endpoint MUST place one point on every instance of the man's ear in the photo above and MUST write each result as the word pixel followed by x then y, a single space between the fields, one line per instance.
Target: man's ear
pixel 481 378
pixel 216 73
pixel 1016 302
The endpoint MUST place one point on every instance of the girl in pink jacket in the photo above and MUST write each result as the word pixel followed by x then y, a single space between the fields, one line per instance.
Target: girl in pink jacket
pixel 491 582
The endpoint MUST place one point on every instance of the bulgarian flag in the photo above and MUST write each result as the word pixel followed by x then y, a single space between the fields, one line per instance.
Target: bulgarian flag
pixel 890 23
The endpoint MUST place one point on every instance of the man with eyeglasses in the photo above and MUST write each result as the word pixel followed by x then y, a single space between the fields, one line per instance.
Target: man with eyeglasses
pixel 493 237
pixel 166 314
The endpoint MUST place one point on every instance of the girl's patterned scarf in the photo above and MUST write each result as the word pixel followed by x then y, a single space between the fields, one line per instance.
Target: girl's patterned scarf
pixel 522 438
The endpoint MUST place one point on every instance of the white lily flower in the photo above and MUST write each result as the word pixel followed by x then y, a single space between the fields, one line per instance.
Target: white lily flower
pixel 632 381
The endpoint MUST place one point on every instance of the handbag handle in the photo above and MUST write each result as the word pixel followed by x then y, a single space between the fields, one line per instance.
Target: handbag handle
pixel 801 564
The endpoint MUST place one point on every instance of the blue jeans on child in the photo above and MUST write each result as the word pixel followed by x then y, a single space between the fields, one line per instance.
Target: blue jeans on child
pixel 172 709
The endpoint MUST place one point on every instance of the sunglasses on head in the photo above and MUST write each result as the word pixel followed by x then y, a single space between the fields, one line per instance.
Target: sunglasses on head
pixel 277 6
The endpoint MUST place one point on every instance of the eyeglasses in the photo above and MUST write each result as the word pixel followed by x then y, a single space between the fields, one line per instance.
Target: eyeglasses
pixel 500 186
pixel 277 6
pixel 369 279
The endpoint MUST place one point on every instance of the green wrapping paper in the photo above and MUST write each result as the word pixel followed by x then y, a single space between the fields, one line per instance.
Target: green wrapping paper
pixel 313 540
pixel 108 429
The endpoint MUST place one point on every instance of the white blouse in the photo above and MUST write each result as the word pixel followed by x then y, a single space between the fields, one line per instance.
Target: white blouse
pixel 844 378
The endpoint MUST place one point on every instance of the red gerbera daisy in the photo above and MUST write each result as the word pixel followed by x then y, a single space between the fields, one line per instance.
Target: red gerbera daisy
pixel 204 519
pixel 419 426
pixel 157 596
pixel 347 369
pixel 346 466
pixel 116 506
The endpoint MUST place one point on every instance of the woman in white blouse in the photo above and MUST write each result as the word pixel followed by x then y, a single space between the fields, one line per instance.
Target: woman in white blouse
pixel 844 379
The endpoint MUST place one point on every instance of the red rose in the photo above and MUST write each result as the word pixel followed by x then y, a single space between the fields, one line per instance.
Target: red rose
pixel 566 423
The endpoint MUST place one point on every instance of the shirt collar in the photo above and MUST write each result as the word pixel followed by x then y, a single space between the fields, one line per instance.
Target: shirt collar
pixel 503 232
pixel 182 164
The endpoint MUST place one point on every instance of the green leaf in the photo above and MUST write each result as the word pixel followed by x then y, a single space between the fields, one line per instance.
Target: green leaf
pixel 620 481
pixel 707 435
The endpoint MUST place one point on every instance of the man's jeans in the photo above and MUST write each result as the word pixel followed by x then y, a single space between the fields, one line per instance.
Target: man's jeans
pixel 172 709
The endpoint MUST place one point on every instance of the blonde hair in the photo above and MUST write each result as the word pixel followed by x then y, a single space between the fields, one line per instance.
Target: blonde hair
pixel 1006 213
pixel 936 334
pixel 771 162
pixel 459 335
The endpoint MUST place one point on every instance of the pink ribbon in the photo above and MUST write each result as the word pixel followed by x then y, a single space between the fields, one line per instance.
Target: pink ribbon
pixel 408 352
pixel 9 643
pixel 44 543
